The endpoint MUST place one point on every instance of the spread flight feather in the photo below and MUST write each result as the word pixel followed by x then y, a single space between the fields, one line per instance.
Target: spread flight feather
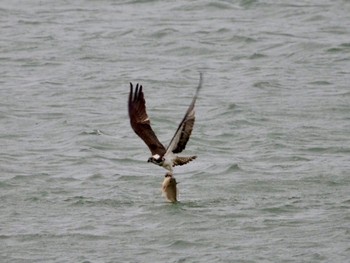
pixel 140 122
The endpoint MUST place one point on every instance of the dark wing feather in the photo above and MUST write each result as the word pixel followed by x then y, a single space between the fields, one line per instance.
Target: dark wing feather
pixel 140 122
pixel 183 132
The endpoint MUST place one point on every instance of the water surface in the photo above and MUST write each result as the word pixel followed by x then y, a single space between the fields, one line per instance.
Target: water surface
pixel 271 182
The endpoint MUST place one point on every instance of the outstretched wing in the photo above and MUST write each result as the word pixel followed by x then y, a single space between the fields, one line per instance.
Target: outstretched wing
pixel 140 122
pixel 183 132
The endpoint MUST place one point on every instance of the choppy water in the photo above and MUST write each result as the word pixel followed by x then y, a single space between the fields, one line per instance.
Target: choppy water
pixel 271 183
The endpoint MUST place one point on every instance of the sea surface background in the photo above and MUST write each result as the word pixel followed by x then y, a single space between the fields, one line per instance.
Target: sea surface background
pixel 272 132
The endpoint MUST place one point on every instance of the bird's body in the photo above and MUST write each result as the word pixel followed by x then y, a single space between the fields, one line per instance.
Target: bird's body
pixel 165 157
pixel 170 160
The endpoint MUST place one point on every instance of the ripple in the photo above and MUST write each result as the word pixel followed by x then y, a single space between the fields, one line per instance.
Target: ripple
pixel 223 169
pixel 257 56
pixel 165 32
pixel 93 202
pixel 220 5
pixel 93 132
pixel 320 83
pixel 181 244
pixel 328 149
pixel 342 48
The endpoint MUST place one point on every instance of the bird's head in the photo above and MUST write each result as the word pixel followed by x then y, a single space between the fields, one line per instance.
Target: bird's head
pixel 156 159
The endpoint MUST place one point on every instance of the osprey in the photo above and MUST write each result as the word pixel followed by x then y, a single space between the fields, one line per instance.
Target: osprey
pixel 162 156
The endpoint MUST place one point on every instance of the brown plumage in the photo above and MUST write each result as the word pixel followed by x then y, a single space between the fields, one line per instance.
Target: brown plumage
pixel 140 122
pixel 183 160
pixel 183 132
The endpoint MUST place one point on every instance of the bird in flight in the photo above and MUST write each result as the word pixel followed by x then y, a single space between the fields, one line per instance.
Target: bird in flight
pixel 165 157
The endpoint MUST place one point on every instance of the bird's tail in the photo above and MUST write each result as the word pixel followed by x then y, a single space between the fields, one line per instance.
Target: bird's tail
pixel 183 160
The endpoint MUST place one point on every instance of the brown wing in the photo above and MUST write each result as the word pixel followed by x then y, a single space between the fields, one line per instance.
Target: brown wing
pixel 183 132
pixel 140 122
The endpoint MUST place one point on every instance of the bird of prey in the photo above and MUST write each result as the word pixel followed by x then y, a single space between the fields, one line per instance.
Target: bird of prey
pixel 163 156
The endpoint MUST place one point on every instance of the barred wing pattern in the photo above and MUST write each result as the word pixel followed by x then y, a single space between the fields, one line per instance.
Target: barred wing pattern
pixel 140 122
pixel 183 132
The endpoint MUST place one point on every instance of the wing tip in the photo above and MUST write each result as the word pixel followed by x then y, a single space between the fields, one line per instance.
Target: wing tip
pixel 136 94
pixel 131 93
pixel 200 84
